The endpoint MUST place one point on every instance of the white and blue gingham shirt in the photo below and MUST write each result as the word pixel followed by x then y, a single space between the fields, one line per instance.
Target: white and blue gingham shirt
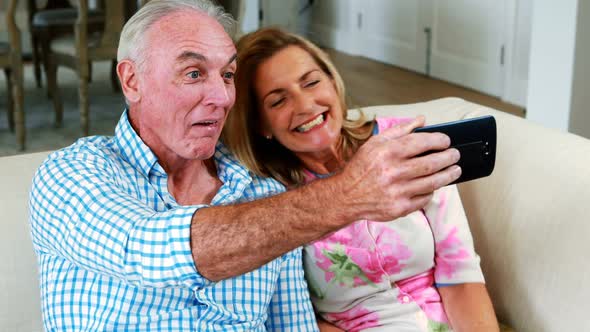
pixel 114 254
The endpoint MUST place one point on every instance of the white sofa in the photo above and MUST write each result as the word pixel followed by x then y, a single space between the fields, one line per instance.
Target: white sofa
pixel 528 219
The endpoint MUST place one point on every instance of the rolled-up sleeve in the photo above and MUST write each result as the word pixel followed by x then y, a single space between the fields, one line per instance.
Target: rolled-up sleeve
pixel 79 211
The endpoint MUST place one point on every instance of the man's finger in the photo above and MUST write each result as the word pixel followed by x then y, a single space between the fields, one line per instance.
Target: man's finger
pixel 428 184
pixel 403 129
pixel 417 144
pixel 429 164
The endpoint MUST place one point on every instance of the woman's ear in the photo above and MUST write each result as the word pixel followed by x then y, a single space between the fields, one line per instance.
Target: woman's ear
pixel 264 130
pixel 127 72
pixel 266 133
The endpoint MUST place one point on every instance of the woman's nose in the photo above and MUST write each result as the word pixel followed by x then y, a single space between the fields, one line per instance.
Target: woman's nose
pixel 304 104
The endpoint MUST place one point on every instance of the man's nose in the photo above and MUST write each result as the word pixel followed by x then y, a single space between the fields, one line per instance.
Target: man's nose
pixel 218 92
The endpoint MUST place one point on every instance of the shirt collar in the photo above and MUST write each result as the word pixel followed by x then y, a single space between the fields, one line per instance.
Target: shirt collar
pixel 235 177
pixel 137 153
pixel 228 166
pixel 132 147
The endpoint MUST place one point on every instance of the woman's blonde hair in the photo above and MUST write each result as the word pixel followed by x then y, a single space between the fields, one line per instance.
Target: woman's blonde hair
pixel 242 133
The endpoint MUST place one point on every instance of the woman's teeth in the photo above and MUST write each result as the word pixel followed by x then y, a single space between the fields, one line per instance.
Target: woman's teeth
pixel 309 125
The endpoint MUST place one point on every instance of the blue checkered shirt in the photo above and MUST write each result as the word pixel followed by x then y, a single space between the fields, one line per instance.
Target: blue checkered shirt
pixel 114 254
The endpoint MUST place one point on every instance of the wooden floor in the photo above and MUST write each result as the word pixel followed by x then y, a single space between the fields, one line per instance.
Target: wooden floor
pixel 370 83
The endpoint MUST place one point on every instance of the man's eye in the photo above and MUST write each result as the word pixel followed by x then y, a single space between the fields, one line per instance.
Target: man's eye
pixel 194 74
pixel 229 75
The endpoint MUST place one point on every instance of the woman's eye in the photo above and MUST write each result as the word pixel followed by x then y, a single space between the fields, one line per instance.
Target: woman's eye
pixel 277 103
pixel 194 74
pixel 312 83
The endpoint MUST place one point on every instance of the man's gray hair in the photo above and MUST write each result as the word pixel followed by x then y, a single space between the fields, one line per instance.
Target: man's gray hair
pixel 132 41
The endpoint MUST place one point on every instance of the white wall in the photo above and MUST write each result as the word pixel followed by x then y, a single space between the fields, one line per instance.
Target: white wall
pixel 553 63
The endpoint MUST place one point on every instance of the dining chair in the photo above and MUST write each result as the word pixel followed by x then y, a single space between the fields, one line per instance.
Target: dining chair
pixel 50 19
pixel 11 62
pixel 84 47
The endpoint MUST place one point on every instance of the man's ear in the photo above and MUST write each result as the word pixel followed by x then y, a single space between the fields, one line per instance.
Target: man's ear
pixel 127 72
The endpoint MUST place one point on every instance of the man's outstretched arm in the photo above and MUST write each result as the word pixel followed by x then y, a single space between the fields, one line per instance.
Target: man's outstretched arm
pixel 385 180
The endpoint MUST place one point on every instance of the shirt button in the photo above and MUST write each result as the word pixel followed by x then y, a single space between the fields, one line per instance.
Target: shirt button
pixel 406 299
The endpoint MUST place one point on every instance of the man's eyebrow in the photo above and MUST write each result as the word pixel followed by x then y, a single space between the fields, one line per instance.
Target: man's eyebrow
pixel 189 55
pixel 232 59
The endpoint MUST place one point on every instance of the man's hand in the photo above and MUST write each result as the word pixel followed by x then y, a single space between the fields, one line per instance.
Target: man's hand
pixel 388 178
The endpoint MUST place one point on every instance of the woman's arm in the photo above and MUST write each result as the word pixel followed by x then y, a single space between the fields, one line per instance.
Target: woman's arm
pixel 469 308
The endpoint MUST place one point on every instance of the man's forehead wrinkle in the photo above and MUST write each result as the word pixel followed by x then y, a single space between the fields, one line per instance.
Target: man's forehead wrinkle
pixel 190 55
pixel 201 37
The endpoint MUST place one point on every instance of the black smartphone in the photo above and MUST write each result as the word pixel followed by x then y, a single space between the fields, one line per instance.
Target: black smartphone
pixel 475 139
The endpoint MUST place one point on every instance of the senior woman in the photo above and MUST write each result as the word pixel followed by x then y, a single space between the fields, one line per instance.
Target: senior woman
pixel 416 273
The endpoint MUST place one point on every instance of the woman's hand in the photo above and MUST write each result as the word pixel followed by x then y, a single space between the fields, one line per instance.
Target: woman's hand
pixel 469 308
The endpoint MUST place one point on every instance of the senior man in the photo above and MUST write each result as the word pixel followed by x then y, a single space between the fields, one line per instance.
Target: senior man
pixel 156 228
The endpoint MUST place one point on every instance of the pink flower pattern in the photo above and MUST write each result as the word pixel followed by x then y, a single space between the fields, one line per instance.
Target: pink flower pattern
pixel 376 258
pixel 421 290
pixel 355 319
pixel 450 254
pixel 322 261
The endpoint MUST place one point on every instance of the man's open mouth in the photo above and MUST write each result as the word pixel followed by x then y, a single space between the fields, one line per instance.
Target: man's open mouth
pixel 205 123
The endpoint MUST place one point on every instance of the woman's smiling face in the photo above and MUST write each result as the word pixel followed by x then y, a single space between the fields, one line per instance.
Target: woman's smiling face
pixel 298 102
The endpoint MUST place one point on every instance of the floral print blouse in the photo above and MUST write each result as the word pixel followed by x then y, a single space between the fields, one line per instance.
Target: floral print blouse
pixel 383 276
